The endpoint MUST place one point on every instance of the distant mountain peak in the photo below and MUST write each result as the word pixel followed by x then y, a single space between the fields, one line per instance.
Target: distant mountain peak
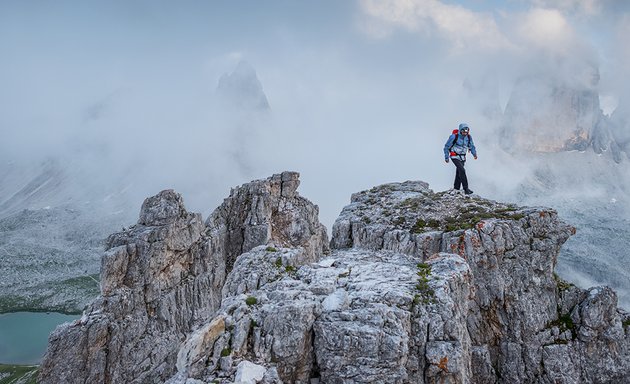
pixel 242 88
pixel 545 116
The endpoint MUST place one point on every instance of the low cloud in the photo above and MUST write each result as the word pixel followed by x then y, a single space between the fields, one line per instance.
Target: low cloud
pixel 546 29
pixel 464 29
pixel 136 103
pixel 584 7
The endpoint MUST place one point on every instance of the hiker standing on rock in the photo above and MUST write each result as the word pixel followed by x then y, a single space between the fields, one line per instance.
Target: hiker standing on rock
pixel 456 147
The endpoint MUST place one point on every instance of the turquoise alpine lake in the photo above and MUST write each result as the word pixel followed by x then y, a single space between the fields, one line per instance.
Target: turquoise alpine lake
pixel 24 335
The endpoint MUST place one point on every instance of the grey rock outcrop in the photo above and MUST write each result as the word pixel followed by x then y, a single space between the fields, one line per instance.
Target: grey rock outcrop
pixel 163 277
pixel 419 287
pixel 268 212
pixel 157 278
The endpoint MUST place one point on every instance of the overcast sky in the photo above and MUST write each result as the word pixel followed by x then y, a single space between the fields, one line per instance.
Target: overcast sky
pixel 361 92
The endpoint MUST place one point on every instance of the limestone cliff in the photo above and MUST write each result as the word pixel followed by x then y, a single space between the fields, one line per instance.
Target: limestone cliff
pixel 419 287
pixel 162 278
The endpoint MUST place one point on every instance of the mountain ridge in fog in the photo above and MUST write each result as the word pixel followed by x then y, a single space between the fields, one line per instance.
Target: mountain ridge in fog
pixel 547 115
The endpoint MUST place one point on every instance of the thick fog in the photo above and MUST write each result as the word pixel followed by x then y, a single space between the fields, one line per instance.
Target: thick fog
pixel 125 97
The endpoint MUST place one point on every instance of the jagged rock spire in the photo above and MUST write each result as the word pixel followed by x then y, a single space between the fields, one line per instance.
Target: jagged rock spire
pixel 242 89
pixel 269 211
pixel 162 278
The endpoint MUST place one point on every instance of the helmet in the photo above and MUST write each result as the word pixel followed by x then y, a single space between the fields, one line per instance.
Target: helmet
pixel 463 127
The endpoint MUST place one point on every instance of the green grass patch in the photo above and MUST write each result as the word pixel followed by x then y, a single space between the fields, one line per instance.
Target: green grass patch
pixel 18 373
pixel 251 300
pixel 399 221
pixel 626 323
pixel 565 323
pixel 289 268
pixel 419 226
pixel 382 188
pixel 271 249
pixel 84 283
pixel 469 217
pixel 459 222
pixel 410 203
pixel 562 284
pixel 433 223
pixel 79 287
pixel 508 209
pixel 12 303
pixel 422 225
pixel 226 352
pixel 425 293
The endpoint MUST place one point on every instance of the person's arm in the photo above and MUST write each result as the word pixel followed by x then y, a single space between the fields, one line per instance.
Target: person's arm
pixel 473 150
pixel 447 147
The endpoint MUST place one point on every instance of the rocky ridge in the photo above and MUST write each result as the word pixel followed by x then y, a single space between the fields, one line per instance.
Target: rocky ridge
pixel 162 278
pixel 419 287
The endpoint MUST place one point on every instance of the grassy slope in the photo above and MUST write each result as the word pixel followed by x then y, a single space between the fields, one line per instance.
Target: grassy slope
pixel 18 374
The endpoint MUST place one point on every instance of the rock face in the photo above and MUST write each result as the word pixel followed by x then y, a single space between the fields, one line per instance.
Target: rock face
pixel 157 278
pixel 162 278
pixel 420 287
pixel 268 212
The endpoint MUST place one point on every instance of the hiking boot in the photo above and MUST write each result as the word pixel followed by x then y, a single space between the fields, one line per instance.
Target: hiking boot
pixel 468 191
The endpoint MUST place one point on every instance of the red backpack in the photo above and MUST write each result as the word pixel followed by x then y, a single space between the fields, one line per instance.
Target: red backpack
pixel 456 133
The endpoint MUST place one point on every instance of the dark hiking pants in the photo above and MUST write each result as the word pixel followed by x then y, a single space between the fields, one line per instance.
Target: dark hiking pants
pixel 460 174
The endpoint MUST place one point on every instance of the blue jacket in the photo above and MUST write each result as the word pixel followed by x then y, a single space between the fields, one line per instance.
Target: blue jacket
pixel 461 147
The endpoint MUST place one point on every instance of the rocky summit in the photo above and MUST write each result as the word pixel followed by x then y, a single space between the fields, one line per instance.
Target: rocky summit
pixel 414 287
